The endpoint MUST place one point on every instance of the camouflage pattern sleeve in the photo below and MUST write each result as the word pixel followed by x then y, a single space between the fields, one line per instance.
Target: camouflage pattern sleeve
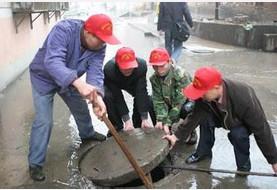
pixel 182 79
pixel 160 107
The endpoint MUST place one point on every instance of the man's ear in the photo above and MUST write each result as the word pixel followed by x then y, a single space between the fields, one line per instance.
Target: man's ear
pixel 172 61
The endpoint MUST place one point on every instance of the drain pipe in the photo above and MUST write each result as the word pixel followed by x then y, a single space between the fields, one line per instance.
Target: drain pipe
pixel 209 170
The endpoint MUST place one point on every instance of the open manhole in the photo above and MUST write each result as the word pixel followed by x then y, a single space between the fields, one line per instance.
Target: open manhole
pixel 106 165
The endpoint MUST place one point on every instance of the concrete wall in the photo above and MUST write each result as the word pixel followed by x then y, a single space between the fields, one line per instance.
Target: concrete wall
pixel 18 49
pixel 220 32
pixel 233 34
pixel 266 12
pixel 256 35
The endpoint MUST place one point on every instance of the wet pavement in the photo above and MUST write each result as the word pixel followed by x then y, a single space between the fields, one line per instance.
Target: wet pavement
pixel 257 68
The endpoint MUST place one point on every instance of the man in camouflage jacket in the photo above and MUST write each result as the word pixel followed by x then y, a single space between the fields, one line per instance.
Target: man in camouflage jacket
pixel 167 82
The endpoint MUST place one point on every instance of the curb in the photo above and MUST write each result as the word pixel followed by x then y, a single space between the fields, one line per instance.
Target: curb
pixel 145 31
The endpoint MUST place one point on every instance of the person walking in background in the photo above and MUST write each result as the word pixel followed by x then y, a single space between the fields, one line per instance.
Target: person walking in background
pixel 169 14
pixel 127 72
pixel 73 47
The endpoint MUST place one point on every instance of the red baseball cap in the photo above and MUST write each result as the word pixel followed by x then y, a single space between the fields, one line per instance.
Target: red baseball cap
pixel 159 57
pixel 101 26
pixel 125 58
pixel 205 78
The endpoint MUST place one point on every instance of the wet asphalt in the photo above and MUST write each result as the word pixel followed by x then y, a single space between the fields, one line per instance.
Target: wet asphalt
pixel 254 67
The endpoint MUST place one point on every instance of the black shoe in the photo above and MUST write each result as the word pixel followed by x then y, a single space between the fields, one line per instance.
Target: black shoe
pixel 245 168
pixel 36 173
pixel 109 134
pixel 192 138
pixel 96 137
pixel 193 158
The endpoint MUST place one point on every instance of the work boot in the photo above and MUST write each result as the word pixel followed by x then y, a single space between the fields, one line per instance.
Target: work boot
pixel 96 137
pixel 193 158
pixel 36 173
pixel 192 139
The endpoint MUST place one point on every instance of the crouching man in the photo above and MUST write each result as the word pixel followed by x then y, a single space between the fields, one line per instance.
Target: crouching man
pixel 127 72
pixel 229 104
pixel 167 83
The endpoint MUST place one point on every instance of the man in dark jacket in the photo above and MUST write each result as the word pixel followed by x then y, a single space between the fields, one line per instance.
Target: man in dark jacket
pixel 72 48
pixel 233 106
pixel 127 72
pixel 169 14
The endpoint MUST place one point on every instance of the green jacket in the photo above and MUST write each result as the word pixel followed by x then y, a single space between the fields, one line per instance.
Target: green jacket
pixel 167 94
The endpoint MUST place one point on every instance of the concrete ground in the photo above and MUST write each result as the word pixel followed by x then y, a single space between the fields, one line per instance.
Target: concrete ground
pixel 256 68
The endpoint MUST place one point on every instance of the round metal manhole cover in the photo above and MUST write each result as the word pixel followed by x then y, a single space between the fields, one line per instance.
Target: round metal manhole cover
pixel 106 165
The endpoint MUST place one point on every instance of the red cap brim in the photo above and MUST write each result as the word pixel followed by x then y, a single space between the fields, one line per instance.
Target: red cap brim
pixel 128 65
pixel 159 63
pixel 192 93
pixel 111 39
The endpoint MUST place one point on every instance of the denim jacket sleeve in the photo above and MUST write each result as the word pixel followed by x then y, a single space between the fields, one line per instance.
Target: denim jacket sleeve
pixel 95 73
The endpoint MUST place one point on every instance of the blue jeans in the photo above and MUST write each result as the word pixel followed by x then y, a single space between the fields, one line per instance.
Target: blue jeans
pixel 238 136
pixel 174 47
pixel 43 122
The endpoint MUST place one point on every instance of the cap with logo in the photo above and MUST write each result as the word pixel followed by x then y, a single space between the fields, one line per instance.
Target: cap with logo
pixel 159 57
pixel 205 78
pixel 125 58
pixel 101 26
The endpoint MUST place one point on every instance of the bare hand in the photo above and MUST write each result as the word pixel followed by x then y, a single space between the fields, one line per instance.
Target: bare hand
pixel 128 126
pixel 99 107
pixel 166 130
pixel 85 89
pixel 274 167
pixel 145 124
pixel 159 125
pixel 172 140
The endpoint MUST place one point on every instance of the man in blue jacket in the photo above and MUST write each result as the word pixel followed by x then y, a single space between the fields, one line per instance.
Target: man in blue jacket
pixel 72 48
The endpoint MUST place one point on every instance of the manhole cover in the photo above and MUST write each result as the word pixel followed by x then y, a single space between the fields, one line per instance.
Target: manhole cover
pixel 106 165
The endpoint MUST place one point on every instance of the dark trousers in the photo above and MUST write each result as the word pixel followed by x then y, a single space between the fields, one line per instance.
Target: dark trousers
pixel 238 136
pixel 115 117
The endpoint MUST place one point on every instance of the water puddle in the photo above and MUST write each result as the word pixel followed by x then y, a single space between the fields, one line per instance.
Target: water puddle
pixel 76 180
pixel 203 49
